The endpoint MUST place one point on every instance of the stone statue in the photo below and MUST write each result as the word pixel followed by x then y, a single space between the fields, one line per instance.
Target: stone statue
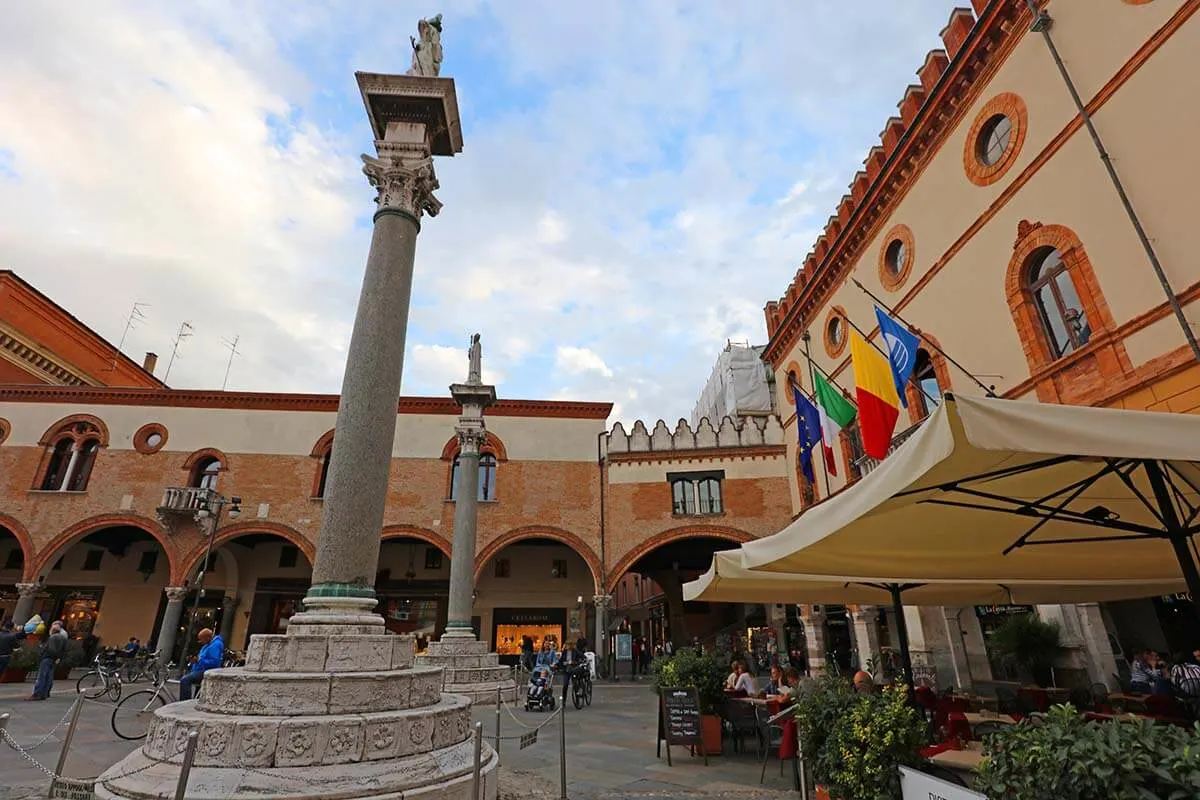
pixel 427 51
pixel 475 359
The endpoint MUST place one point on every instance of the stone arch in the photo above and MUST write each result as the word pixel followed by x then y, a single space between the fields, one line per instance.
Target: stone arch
pixel 416 532
pixel 672 535
pixel 192 460
pixel 231 532
pixel 73 419
pixel 492 444
pixel 21 534
pixel 320 452
pixel 323 445
pixel 582 548
pixel 1114 363
pixel 49 554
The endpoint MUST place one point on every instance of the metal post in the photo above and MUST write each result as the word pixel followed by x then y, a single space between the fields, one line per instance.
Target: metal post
pixel 902 634
pixel 498 701
pixel 185 769
pixel 562 749
pixel 478 758
pixel 66 745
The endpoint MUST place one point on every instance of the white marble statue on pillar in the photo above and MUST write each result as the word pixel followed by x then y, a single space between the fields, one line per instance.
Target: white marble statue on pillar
pixel 427 50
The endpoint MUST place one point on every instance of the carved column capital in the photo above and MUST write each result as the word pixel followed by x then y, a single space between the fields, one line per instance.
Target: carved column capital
pixel 602 600
pixel 471 438
pixel 176 594
pixel 28 589
pixel 403 183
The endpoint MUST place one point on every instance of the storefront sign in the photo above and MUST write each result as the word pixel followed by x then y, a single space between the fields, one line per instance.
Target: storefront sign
pixel 992 611
pixel 919 786
pixel 624 647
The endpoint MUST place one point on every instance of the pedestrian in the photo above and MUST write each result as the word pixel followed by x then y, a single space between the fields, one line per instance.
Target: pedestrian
pixel 10 637
pixel 636 655
pixel 668 648
pixel 53 648
pixel 527 653
pixel 212 652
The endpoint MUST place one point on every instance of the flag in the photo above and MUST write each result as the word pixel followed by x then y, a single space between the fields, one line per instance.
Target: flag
pixel 808 431
pixel 902 350
pixel 878 401
pixel 836 413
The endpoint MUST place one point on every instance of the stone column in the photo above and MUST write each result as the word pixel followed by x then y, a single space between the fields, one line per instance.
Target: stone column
pixel 165 641
pixel 26 595
pixel 866 633
pixel 600 641
pixel 462 566
pixel 956 635
pixel 229 605
pixel 1102 664
pixel 343 576
pixel 814 640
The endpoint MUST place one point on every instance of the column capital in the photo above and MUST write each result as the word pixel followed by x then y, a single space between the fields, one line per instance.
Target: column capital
pixel 176 594
pixel 602 600
pixel 28 589
pixel 404 182
pixel 471 436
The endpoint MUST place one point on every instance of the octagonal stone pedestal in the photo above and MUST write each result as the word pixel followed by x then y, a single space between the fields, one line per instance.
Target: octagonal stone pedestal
pixel 308 717
pixel 470 670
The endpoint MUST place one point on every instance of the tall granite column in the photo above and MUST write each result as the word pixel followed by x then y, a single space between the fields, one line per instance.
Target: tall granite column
pixel 26 595
pixel 473 396
pixel 168 629
pixel 343 577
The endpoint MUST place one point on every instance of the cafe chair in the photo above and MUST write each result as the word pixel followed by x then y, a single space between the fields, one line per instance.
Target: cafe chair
pixel 771 736
pixel 1082 699
pixel 742 720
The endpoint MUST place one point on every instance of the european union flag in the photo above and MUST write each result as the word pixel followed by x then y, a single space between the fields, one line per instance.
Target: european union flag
pixel 808 430
pixel 901 349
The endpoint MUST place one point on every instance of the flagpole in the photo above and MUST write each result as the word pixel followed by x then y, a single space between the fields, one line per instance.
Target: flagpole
pixel 824 467
pixel 912 378
pixel 989 390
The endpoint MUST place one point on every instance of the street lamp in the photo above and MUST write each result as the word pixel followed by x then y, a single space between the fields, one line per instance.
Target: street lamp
pixel 209 517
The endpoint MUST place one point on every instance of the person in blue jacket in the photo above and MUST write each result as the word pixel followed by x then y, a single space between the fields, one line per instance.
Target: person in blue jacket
pixel 212 652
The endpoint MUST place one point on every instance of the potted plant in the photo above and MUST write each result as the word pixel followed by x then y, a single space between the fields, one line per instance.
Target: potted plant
pixel 855 743
pixel 692 669
pixel 1029 645
pixel 22 663
pixel 1069 758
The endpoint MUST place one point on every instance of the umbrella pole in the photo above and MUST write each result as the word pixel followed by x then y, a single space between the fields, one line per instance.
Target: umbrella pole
pixel 1176 534
pixel 902 635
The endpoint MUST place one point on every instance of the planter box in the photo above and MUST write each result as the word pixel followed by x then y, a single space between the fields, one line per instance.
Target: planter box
pixel 822 793
pixel 710 732
pixel 13 675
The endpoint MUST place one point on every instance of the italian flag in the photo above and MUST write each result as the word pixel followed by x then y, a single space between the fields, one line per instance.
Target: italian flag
pixel 835 412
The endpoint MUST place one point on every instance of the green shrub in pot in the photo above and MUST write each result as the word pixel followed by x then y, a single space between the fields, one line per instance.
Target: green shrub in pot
pixel 1069 758
pixel 689 668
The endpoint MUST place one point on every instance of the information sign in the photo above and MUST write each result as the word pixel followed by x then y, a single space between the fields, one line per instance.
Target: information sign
pixel 679 720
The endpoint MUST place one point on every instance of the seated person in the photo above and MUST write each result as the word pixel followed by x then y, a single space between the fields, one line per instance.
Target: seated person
pixel 743 683
pixel 212 653
pixel 863 682
pixel 132 647
pixel 777 684
pixel 1146 674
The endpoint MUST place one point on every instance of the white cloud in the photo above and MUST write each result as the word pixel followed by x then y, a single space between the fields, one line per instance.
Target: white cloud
pixel 575 360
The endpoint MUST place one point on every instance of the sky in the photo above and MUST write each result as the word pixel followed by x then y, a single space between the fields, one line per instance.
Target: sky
pixel 637 180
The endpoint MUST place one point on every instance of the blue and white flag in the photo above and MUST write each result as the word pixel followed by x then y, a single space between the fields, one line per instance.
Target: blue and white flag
pixel 901 349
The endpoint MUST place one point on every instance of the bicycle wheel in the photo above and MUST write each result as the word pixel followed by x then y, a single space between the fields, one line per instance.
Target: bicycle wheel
pixel 151 671
pixel 587 692
pixel 92 684
pixel 129 672
pixel 131 718
pixel 114 687
pixel 577 695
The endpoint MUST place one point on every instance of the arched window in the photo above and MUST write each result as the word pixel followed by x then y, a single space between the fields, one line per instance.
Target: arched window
pixel 1061 312
pixel 324 474
pixel 71 454
pixel 929 390
pixel 205 473
pixel 487 478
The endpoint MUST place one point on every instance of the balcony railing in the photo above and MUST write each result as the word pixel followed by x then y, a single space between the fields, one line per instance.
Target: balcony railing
pixel 186 500
pixel 864 464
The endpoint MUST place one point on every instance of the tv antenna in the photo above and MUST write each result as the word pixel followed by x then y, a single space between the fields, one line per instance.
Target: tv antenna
pixel 135 317
pixel 185 330
pixel 233 351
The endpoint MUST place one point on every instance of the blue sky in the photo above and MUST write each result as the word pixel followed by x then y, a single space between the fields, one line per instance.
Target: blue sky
pixel 638 179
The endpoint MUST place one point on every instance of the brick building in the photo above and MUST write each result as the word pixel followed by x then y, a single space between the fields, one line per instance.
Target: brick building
pixel 985 218
pixel 100 485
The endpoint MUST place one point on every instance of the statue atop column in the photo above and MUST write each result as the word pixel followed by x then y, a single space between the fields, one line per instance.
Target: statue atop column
pixel 427 50
pixel 475 362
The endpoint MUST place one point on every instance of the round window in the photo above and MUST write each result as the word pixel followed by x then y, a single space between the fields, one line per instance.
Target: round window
pixel 154 439
pixel 993 141
pixel 894 259
pixel 836 331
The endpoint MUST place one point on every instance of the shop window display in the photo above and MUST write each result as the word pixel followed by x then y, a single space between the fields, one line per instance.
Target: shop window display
pixel 509 637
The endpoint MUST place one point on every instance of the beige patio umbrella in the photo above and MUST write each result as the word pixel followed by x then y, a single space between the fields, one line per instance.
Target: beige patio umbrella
pixel 1008 492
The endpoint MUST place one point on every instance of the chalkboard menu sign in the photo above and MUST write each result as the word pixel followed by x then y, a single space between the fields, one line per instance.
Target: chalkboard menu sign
pixel 679 721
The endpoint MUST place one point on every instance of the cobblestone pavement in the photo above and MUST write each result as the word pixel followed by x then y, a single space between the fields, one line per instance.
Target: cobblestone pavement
pixel 610 751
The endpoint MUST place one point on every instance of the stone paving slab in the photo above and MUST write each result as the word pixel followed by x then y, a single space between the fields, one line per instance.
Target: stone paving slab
pixel 610 751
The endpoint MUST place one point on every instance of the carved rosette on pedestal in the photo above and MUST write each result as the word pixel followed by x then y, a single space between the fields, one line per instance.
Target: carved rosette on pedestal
pixel 313 717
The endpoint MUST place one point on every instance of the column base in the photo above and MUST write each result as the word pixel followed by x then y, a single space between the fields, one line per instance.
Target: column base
pixel 469 669
pixel 337 616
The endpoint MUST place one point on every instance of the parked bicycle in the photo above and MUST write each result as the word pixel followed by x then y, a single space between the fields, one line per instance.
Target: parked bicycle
pixel 143 666
pixel 131 718
pixel 103 679
pixel 581 686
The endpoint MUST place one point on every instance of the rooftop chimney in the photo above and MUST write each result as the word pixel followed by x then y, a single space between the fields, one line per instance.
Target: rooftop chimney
pixel 150 362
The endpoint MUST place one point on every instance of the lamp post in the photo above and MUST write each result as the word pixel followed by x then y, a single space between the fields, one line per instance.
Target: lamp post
pixel 210 517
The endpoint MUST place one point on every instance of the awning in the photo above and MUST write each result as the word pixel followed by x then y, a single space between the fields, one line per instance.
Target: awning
pixel 1008 492
pixel 727 581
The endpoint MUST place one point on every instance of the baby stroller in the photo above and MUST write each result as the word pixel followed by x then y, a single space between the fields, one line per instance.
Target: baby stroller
pixel 540 694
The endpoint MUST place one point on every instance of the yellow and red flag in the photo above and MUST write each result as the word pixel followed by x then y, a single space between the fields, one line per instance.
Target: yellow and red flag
pixel 878 402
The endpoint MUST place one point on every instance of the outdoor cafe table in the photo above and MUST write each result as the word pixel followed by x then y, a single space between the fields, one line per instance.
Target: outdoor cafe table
pixel 966 760
pixel 974 718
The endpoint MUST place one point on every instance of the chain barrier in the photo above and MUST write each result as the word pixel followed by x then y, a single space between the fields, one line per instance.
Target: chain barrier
pixel 543 724
pixel 46 738
pixel 21 751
